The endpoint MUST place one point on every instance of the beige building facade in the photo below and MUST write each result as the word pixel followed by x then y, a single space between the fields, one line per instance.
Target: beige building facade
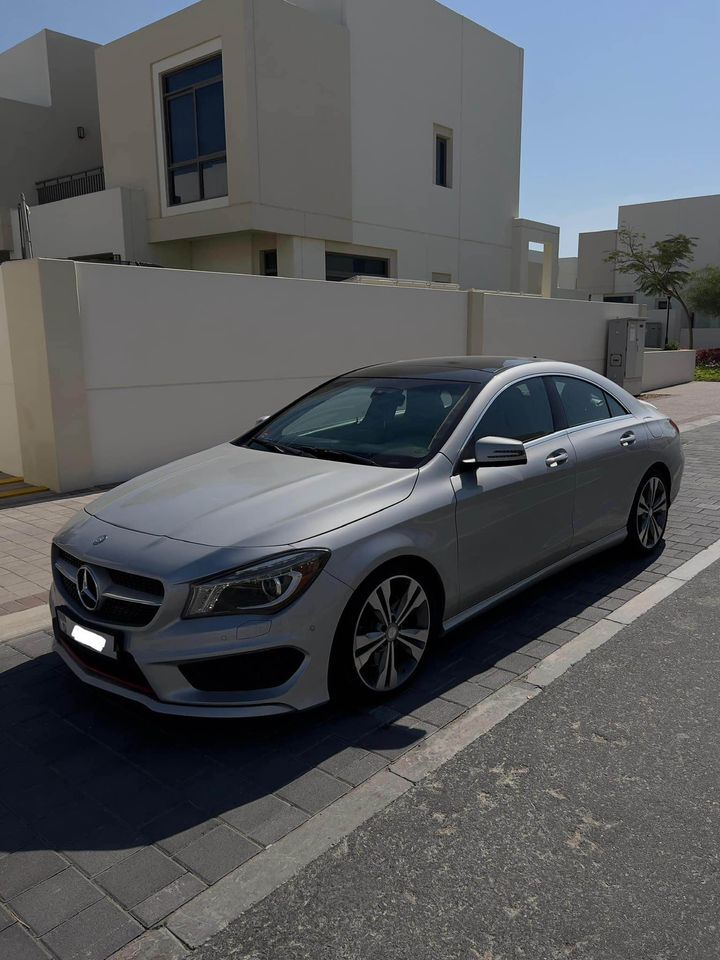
pixel 302 140
pixel 49 123
pixel 697 217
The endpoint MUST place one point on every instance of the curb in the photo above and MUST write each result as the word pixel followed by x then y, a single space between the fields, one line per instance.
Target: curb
pixel 211 911
pixel 14 625
pixel 696 424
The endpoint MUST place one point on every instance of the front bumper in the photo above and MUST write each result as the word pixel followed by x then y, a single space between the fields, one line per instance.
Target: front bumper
pixel 172 665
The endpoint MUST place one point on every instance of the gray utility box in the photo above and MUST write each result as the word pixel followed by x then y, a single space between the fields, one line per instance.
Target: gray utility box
pixel 626 354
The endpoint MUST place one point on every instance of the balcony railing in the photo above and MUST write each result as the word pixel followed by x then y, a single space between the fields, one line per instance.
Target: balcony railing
pixel 73 185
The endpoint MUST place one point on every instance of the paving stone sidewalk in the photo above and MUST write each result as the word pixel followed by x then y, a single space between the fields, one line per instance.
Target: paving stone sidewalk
pixel 111 817
pixel 26 533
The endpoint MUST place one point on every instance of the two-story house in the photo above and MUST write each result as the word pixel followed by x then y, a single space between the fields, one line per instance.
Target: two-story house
pixel 322 139
pixel 49 124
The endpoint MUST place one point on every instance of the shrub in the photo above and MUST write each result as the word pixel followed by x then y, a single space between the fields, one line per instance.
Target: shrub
pixel 672 345
pixel 709 358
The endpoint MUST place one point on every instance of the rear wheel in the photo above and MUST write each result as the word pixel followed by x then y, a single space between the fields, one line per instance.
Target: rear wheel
pixel 649 514
pixel 384 635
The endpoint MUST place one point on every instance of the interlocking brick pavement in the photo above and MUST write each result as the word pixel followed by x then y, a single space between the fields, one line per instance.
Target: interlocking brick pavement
pixel 111 817
pixel 26 533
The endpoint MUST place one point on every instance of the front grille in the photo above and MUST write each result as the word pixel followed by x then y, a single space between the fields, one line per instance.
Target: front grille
pixel 123 671
pixel 136 582
pixel 123 609
pixel 257 670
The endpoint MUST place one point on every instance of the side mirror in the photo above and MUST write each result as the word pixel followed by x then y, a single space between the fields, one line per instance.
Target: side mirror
pixel 499 452
pixel 261 420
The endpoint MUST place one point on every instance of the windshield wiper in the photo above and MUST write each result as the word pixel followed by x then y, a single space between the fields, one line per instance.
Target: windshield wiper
pixel 276 447
pixel 341 455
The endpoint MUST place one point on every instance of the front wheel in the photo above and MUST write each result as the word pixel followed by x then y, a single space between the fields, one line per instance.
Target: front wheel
pixel 649 514
pixel 384 636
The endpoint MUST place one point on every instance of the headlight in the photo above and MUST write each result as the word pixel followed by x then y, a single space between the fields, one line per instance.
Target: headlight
pixel 266 586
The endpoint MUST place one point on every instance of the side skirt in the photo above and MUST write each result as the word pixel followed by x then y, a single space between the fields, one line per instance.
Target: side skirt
pixel 598 547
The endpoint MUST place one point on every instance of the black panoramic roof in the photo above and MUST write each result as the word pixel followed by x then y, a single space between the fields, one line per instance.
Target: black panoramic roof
pixel 469 369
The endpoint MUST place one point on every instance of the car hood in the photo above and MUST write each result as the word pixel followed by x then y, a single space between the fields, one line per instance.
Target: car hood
pixel 232 496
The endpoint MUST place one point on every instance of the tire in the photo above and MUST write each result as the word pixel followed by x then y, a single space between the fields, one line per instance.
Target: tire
pixel 649 514
pixel 384 635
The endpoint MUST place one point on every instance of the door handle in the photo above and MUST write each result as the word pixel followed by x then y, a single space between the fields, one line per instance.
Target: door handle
pixel 627 439
pixel 557 458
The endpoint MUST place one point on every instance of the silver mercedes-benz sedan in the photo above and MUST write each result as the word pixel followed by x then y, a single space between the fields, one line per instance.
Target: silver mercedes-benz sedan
pixel 322 553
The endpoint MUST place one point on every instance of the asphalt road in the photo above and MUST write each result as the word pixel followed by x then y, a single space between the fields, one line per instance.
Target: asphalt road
pixel 587 825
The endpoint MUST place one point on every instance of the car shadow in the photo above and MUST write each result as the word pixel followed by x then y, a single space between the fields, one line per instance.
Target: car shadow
pixel 95 776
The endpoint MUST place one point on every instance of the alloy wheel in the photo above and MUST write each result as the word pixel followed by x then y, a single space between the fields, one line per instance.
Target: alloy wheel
pixel 652 511
pixel 391 634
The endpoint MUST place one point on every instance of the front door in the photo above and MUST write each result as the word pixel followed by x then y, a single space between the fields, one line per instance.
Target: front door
pixel 513 521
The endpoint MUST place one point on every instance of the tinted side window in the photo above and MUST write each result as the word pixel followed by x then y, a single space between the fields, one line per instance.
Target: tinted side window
pixel 616 409
pixel 583 402
pixel 522 412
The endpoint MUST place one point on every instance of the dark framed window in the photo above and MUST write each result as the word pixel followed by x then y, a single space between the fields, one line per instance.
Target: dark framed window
pixel 343 266
pixel 194 110
pixel 443 158
pixel 269 263
pixel 521 412
pixel 625 298
pixel 442 161
pixel 583 402
pixel 616 408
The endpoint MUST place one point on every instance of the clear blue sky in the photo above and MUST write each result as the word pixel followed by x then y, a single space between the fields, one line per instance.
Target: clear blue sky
pixel 622 97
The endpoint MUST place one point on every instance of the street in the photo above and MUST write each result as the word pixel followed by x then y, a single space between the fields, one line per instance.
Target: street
pixel 587 825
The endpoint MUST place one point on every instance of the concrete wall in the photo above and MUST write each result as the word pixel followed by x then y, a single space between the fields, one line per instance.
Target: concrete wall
pixel 428 66
pixel 569 330
pixel 109 221
pixel 10 453
pixel 705 338
pixel 116 370
pixel 525 232
pixel 77 227
pixel 24 72
pixel 47 360
pixel 139 366
pixel 42 132
pixel 567 273
pixel 666 368
pixel 593 273
pixel 697 217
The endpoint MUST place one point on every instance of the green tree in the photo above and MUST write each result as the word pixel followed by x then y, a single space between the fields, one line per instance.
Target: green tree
pixel 661 269
pixel 703 292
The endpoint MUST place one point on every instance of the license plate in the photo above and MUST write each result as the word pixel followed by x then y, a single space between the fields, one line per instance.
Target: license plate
pixel 102 643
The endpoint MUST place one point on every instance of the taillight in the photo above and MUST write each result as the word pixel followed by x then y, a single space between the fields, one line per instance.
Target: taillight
pixel 675 427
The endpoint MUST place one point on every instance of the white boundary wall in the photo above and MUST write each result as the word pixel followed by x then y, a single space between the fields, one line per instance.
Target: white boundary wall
pixel 10 455
pixel 178 360
pixel 116 370
pixel 665 368
pixel 505 324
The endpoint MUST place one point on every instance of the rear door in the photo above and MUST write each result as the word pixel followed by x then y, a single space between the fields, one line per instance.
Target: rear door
pixel 609 444
pixel 514 520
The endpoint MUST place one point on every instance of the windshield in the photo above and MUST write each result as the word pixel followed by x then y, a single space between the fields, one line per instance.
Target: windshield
pixel 380 422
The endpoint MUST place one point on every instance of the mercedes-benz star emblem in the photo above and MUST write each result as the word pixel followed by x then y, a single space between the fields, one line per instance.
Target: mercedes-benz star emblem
pixel 98 540
pixel 87 588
